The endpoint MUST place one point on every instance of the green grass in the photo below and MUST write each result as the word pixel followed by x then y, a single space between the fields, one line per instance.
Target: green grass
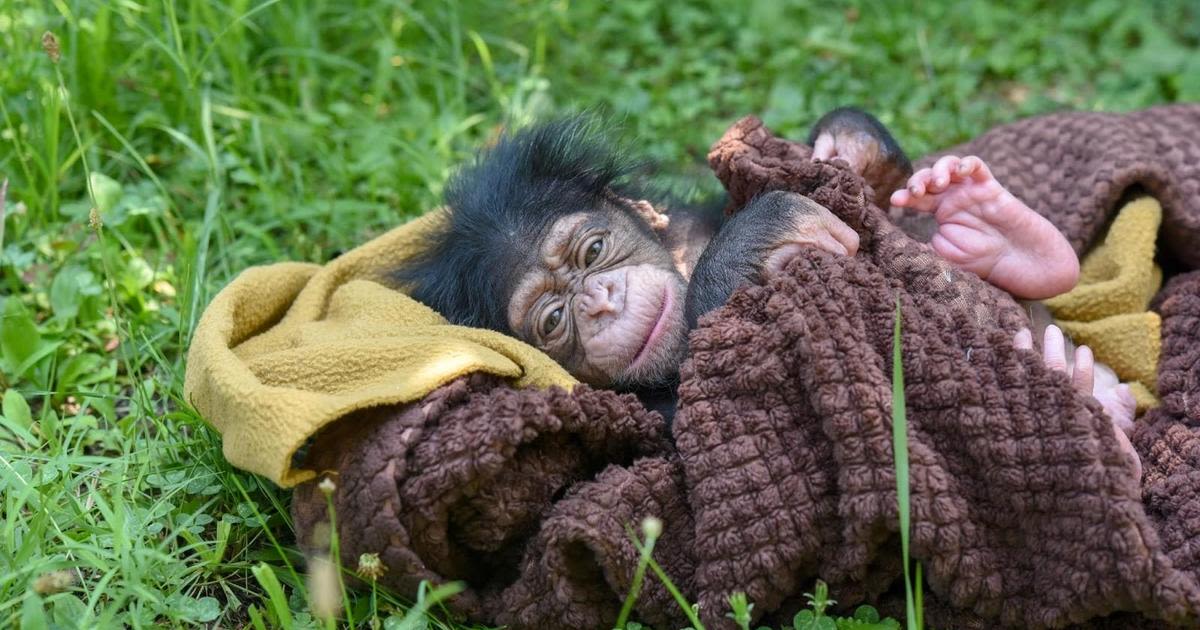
pixel 220 135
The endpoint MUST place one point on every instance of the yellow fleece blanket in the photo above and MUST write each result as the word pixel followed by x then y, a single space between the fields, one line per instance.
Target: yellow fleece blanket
pixel 287 348
pixel 1109 309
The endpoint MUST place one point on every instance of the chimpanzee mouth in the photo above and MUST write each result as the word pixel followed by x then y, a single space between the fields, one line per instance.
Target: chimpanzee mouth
pixel 656 331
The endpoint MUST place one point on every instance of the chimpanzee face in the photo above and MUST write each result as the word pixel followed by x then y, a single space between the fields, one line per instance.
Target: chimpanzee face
pixel 603 298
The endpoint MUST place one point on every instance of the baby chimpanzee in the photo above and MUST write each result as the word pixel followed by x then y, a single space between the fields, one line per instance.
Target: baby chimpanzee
pixel 547 241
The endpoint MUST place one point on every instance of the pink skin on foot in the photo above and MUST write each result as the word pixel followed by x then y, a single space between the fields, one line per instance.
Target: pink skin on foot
pixel 984 229
pixel 1115 397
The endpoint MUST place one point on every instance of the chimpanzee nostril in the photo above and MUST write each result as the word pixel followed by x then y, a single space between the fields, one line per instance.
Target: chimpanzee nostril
pixel 598 306
pixel 597 297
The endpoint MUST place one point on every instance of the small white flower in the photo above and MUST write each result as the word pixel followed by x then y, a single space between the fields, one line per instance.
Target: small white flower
pixel 652 527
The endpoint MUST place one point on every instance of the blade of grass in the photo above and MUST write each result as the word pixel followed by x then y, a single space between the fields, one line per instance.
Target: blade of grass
pixel 652 529
pixel 211 207
pixel 639 574
pixel 335 553
pixel 3 194
pixel 680 600
pixel 417 617
pixel 900 448
pixel 919 597
pixel 265 575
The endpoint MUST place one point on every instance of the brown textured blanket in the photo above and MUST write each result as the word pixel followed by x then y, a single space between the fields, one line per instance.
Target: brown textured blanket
pixel 780 466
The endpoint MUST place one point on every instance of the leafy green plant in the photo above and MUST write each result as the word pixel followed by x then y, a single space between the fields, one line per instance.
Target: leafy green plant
pixel 740 610
pixel 814 618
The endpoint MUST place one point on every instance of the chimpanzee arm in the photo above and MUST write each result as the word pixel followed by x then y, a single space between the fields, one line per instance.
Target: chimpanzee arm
pixel 762 235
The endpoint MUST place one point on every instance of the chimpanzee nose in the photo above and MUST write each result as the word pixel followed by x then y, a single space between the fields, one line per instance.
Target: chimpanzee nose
pixel 602 294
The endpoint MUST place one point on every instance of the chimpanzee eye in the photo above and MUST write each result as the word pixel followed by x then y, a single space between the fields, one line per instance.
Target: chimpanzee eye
pixel 593 252
pixel 551 322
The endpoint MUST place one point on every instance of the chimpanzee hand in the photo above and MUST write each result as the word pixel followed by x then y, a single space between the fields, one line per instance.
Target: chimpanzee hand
pixel 761 239
pixel 812 225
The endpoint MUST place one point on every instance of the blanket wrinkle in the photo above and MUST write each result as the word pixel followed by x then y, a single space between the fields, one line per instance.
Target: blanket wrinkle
pixel 779 469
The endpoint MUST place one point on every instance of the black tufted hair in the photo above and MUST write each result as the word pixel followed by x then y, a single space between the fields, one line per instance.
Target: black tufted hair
pixel 499 207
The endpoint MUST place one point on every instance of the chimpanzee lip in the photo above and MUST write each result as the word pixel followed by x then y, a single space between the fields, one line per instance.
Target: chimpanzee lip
pixel 655 332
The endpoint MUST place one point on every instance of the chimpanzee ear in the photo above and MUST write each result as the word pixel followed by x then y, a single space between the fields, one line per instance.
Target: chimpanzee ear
pixel 658 221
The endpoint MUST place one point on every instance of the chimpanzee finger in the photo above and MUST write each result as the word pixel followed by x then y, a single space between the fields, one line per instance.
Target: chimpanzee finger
pixel 919 201
pixel 917 183
pixel 843 234
pixel 1127 447
pixel 1083 374
pixel 975 168
pixel 829 243
pixel 1054 349
pixel 942 171
pixel 1023 340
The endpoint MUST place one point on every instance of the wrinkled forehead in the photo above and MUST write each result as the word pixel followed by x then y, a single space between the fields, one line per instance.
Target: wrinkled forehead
pixel 557 239
pixel 547 250
pixel 537 247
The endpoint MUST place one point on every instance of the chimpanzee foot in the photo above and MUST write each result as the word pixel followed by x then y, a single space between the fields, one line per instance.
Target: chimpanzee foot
pixel 984 229
pixel 866 145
